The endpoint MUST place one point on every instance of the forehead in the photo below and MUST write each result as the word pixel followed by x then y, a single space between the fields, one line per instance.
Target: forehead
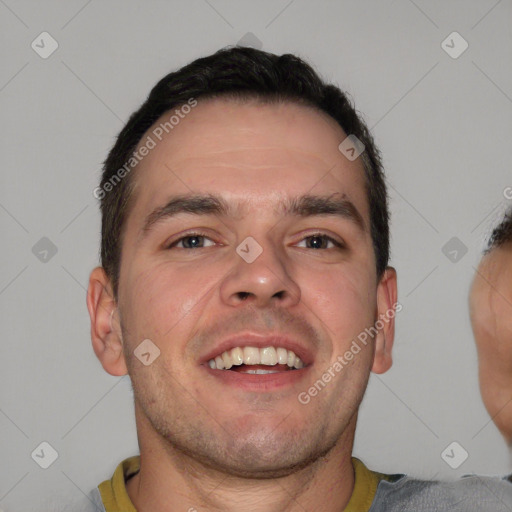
pixel 494 276
pixel 497 264
pixel 248 151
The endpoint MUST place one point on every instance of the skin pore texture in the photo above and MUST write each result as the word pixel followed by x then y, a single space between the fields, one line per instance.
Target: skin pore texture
pixel 208 442
pixel 490 303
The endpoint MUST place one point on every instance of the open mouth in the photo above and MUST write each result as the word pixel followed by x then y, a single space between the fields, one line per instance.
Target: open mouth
pixel 259 361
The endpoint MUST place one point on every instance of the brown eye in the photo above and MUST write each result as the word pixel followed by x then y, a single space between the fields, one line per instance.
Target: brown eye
pixel 320 241
pixel 191 241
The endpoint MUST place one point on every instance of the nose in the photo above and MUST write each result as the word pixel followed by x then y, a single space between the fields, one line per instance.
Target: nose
pixel 263 282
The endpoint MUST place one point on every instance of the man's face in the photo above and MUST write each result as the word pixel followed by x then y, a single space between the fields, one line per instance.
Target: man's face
pixel 198 298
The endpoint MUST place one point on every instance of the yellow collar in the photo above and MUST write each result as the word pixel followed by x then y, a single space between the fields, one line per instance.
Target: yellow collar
pixel 115 497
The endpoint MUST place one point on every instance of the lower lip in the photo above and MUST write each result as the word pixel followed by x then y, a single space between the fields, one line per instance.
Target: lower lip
pixel 261 382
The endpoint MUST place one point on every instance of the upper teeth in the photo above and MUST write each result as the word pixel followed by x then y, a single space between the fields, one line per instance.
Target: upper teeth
pixel 269 356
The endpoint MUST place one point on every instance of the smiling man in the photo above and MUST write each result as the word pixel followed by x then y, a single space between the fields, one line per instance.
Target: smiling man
pixel 245 289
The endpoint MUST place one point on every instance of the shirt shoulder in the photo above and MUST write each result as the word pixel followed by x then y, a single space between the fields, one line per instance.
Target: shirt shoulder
pixel 366 483
pixel 468 494
pixel 112 494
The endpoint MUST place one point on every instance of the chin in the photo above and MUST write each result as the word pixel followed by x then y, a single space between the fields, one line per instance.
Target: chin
pixel 254 463
pixel 266 454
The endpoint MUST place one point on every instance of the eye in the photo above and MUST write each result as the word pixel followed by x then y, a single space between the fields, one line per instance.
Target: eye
pixel 191 241
pixel 320 241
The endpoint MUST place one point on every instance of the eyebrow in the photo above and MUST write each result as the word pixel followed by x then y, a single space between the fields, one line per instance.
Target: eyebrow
pixel 306 205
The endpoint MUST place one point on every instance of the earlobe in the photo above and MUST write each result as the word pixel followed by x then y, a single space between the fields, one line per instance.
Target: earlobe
pixel 387 308
pixel 106 335
pixel 382 360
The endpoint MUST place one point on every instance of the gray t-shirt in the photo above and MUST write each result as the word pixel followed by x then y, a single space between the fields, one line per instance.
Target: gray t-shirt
pixel 468 494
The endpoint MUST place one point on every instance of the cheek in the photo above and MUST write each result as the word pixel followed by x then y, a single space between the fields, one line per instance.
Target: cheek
pixel 161 298
pixel 502 316
pixel 344 299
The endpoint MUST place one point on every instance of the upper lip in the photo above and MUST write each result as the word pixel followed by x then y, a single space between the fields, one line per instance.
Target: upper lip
pixel 260 341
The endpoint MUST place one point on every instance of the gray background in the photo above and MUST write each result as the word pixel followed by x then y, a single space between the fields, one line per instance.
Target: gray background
pixel 444 126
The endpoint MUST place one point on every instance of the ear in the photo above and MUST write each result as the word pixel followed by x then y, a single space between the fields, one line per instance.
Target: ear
pixel 387 307
pixel 106 337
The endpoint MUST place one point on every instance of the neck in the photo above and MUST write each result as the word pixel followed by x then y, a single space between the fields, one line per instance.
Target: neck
pixel 169 480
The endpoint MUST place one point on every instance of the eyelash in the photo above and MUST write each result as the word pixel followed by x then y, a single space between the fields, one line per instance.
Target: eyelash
pixel 195 234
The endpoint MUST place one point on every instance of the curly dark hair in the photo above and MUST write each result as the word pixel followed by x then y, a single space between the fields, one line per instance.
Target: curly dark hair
pixel 502 233
pixel 242 73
